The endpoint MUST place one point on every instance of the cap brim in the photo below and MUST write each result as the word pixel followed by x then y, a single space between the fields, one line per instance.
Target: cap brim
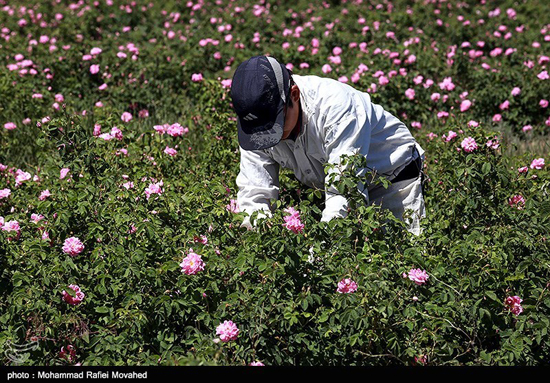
pixel 264 136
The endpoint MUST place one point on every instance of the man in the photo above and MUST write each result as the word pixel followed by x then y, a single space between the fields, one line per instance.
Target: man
pixel 305 122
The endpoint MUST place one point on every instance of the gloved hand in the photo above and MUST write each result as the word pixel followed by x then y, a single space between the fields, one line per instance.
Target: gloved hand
pixel 252 225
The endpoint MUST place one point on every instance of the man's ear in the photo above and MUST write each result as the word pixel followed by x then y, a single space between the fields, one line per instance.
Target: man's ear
pixel 295 93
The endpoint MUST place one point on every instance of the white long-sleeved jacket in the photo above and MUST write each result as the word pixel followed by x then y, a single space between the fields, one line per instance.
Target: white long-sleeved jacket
pixel 336 119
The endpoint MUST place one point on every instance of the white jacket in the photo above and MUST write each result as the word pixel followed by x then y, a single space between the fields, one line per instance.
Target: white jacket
pixel 336 119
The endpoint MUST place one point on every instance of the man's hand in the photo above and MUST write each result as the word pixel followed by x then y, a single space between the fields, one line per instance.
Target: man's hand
pixel 246 222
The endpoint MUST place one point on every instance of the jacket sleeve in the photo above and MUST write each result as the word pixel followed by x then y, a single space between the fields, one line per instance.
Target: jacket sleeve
pixel 343 137
pixel 258 182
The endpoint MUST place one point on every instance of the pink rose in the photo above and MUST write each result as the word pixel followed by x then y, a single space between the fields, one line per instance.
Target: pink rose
pixel 79 296
pixel 293 222
pixel 537 163
pixel 196 77
pixel 517 201
pixel 45 194
pixel 36 217
pixel 73 246
pixel 12 225
pixel 227 331
pixel 5 193
pixel 126 117
pixel 514 304
pixel 192 264
pixel 63 173
pixel 410 93
pixel 69 354
pixel 447 84
pixel 346 286
pixel 465 105
pixel 468 144
pixel 450 136
pixel 418 276
pixel 170 151
pixel 154 188
pixel 233 206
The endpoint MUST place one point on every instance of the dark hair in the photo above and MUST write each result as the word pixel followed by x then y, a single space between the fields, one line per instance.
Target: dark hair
pixel 288 99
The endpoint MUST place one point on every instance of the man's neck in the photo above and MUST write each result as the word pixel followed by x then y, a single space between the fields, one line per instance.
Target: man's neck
pixel 298 127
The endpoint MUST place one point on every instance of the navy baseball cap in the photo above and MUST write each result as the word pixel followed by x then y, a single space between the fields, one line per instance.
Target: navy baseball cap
pixel 259 91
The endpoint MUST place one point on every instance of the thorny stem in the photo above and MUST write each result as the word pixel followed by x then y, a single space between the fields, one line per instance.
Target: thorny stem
pixel 450 323
pixel 451 287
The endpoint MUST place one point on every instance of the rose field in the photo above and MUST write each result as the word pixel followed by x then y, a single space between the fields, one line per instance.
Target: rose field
pixel 120 236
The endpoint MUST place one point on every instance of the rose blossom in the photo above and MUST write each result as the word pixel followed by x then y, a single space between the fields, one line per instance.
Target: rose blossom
pixel 537 163
pixel 233 206
pixel 154 188
pixel 346 286
pixel 450 136
pixel 176 130
pixel 126 117
pixel 12 225
pixel 63 173
pixel 227 331
pixel 196 77
pixel 69 354
pixel 418 276
pixel 293 221
pixel 73 246
pixel 465 105
pixel 468 144
pixel 21 176
pixel 79 296
pixel 410 93
pixel 170 151
pixel 36 217
pixel 192 264
pixel 517 201
pixel 45 194
pixel 5 193
pixel 447 84
pixel 10 125
pixel 514 304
